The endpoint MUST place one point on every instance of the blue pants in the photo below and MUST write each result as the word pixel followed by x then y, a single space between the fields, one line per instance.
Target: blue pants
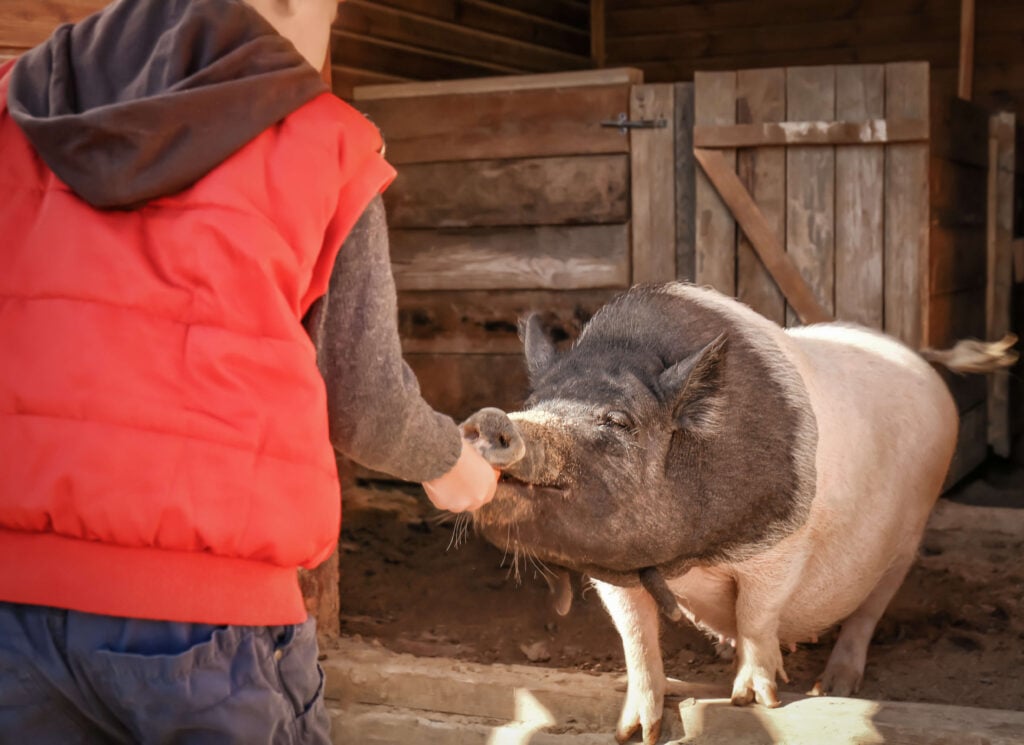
pixel 69 677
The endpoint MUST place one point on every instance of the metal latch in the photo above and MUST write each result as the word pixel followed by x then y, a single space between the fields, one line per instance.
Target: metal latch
pixel 624 123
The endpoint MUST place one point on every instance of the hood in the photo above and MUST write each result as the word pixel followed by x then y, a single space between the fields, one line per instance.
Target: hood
pixel 144 98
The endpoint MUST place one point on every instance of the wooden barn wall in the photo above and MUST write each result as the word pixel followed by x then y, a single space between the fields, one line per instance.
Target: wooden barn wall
pixel 388 41
pixel 670 39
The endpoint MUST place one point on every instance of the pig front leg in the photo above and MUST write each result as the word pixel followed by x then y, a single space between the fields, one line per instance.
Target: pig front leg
pixel 763 589
pixel 635 616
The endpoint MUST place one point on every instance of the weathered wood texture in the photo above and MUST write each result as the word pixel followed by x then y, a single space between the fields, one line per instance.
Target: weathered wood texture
pixel 671 40
pixel 375 42
pixel 761 98
pixel 824 203
pixel 444 39
pixel 685 185
pixel 810 185
pixel 715 264
pixel 887 232
pixel 1002 161
pixel 652 177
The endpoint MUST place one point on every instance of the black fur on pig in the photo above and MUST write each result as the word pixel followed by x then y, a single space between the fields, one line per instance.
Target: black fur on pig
pixel 671 433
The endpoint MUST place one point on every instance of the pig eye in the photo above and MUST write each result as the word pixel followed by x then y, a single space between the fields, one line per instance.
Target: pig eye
pixel 618 419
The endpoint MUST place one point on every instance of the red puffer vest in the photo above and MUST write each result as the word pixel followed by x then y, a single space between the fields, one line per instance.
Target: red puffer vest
pixel 164 450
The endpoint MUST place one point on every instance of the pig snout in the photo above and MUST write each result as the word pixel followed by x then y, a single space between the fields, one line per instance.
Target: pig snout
pixel 495 437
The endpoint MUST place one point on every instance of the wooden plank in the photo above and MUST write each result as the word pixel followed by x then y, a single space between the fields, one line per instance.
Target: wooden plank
pixel 965 76
pixel 810 186
pixel 562 258
pixel 526 191
pixel 391 58
pixel 810 32
pixel 715 264
pixel 503 84
pixel 459 384
pixel 779 263
pixel 958 259
pixel 686 197
pixel 25 23
pixel 872 131
pixel 486 322
pixel 371 19
pixel 652 185
pixel 632 18
pixel 486 15
pixel 761 97
pixel 598 33
pixel 504 124
pixel 860 171
pixel 907 211
pixel 999 235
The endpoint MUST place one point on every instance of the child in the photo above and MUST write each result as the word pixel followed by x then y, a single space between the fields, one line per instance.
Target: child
pixel 177 183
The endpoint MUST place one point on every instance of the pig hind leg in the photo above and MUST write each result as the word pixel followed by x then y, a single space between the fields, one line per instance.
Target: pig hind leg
pixel 845 668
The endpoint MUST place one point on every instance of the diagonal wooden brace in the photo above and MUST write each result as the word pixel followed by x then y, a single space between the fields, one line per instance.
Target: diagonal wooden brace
pixel 778 263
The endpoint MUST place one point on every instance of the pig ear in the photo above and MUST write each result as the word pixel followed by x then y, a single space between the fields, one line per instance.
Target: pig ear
pixel 693 387
pixel 540 351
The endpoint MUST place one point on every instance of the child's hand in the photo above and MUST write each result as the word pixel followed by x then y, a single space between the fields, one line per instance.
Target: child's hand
pixel 469 485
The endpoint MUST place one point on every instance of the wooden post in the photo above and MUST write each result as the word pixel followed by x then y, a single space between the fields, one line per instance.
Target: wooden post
pixel 965 76
pixel 999 236
pixel 686 198
pixel 598 32
pixel 652 176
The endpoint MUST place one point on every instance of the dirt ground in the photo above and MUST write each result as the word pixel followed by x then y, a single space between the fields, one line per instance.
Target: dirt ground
pixel 954 634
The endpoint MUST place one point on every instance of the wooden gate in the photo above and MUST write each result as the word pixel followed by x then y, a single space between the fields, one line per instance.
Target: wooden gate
pixel 851 192
pixel 522 194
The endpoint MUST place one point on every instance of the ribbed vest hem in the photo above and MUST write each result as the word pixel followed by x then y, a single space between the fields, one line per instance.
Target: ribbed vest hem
pixel 94 577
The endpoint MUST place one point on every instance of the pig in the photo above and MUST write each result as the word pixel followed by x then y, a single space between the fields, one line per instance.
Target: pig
pixel 767 484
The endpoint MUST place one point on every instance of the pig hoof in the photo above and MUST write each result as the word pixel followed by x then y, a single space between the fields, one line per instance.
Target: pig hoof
pixel 646 718
pixel 838 680
pixel 651 733
pixel 747 690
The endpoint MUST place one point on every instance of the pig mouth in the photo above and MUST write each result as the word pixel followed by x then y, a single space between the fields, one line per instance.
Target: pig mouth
pixel 513 483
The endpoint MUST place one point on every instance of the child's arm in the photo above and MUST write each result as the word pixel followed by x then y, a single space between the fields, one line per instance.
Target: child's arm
pixel 377 415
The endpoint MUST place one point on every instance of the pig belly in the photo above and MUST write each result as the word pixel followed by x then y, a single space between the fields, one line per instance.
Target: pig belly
pixel 887 429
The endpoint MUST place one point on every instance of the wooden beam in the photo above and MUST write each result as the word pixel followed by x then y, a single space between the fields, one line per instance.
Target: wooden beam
pixel 871 132
pixel 598 32
pixel 549 258
pixel 965 76
pixel 762 237
pixel 652 185
pixel 999 235
pixel 612 76
pixel 500 124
